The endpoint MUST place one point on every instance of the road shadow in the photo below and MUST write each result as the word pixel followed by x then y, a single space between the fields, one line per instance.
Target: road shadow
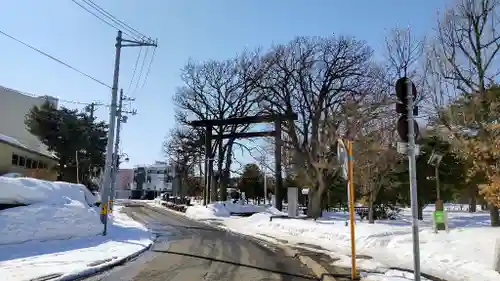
pixel 305 277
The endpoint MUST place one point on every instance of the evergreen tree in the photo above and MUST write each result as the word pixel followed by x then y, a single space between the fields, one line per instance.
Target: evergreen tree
pixel 251 181
pixel 72 136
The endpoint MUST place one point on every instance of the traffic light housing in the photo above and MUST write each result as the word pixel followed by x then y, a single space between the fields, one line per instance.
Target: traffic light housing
pixel 402 107
pixel 402 94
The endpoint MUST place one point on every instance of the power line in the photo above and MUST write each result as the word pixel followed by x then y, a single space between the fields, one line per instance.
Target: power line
pixel 109 19
pixel 135 69
pixel 60 100
pixel 98 17
pixel 116 20
pixel 149 68
pixel 140 72
pixel 54 58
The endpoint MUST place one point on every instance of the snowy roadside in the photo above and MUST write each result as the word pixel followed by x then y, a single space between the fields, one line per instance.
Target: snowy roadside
pixel 59 233
pixel 455 256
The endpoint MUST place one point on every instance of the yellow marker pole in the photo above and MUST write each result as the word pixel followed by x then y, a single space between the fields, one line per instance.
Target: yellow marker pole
pixel 104 213
pixel 351 208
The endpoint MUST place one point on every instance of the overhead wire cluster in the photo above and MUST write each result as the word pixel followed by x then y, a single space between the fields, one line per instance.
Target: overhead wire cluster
pixel 112 21
pixel 139 67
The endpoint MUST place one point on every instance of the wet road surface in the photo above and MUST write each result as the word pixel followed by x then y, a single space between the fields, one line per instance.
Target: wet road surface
pixel 190 251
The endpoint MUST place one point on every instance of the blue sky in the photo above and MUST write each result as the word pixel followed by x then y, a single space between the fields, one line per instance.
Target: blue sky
pixel 201 30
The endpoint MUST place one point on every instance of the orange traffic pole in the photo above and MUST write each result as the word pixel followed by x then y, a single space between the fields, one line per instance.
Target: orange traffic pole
pixel 350 180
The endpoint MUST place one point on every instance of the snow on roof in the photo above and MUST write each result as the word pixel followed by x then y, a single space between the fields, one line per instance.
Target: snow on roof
pixel 17 143
pixel 11 140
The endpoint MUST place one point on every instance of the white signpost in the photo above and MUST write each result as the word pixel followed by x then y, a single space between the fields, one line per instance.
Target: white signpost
pixel 342 158
pixel 293 200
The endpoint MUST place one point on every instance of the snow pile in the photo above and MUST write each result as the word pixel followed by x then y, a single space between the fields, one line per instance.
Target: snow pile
pixel 199 212
pixel 392 275
pixel 73 256
pixel 45 222
pixel 226 209
pixel 30 191
pixel 56 210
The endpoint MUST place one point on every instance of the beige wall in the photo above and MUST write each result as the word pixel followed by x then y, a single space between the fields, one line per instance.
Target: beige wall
pixel 13 109
pixel 6 166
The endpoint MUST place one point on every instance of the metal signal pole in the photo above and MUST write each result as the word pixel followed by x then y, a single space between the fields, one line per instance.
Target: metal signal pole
pixel 108 166
pixel 413 184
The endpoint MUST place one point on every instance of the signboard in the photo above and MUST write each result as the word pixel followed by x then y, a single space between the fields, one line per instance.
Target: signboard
pixel 342 157
pixel 293 201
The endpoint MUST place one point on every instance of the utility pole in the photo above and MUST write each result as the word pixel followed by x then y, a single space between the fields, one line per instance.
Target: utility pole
pixel 92 110
pixel 116 157
pixel 108 166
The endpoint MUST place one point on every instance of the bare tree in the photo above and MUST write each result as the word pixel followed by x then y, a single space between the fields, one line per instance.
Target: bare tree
pixel 183 150
pixel 375 158
pixel 219 90
pixel 314 77
pixel 403 52
pixel 463 60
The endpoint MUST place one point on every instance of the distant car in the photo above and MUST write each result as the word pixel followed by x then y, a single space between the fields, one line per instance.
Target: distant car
pixel 13 175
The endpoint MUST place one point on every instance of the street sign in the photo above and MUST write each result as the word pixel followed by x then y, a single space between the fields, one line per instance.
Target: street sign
pixel 342 157
pixel 402 127
pixel 403 148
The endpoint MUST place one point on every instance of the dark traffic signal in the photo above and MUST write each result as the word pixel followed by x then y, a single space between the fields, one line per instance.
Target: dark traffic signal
pixel 402 107
pixel 402 94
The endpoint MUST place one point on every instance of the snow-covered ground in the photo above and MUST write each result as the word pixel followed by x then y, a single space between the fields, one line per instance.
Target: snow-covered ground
pixel 59 231
pixel 465 253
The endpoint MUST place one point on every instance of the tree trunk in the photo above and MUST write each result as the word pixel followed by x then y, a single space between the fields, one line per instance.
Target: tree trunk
pixel 314 204
pixel 473 200
pixel 494 216
pixel 214 182
pixel 371 200
pixel 420 213
pixel 226 176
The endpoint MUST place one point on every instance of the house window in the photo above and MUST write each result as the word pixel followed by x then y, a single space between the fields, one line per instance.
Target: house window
pixel 28 163
pixel 34 164
pixel 15 159
pixel 22 161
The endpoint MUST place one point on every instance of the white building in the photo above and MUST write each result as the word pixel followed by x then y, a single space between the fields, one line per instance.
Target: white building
pixel 157 177
pixel 14 106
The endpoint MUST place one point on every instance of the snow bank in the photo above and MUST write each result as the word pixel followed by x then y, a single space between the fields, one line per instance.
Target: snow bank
pixel 199 212
pixel 71 257
pixel 48 222
pixel 225 209
pixel 56 210
pixel 30 191
pixel 465 253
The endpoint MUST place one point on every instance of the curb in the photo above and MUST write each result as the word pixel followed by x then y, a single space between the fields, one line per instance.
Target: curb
pixel 103 267
pixel 318 270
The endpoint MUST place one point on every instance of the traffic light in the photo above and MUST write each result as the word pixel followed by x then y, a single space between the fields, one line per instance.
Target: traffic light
pixel 402 107
pixel 402 94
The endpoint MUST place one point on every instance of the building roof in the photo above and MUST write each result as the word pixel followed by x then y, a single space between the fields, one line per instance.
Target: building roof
pixel 17 144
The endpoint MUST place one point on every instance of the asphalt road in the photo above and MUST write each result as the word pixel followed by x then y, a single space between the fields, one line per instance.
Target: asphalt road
pixel 190 251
